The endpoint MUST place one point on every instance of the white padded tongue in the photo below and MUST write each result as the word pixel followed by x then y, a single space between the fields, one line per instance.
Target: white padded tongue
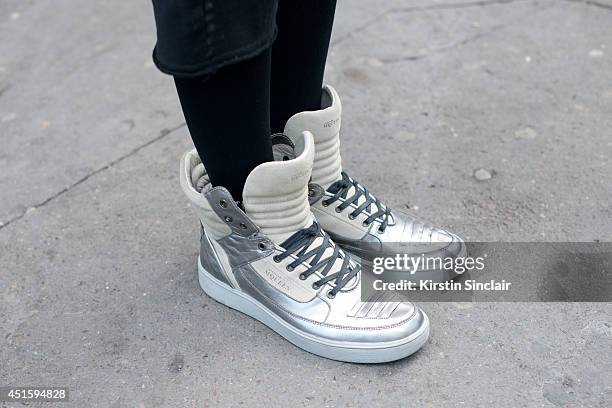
pixel 325 127
pixel 275 194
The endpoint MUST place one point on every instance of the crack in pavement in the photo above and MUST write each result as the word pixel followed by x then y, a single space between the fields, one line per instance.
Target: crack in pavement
pixel 467 40
pixel 4 89
pixel 593 3
pixel 444 48
pixel 412 9
pixel 162 135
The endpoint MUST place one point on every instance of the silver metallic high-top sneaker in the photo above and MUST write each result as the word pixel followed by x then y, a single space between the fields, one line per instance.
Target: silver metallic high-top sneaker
pixel 354 217
pixel 273 262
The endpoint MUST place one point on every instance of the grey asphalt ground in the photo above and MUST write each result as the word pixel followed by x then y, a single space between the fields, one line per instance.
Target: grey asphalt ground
pixel 98 246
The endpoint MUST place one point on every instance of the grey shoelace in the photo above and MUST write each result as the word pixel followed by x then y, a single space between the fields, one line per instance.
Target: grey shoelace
pixel 299 243
pixel 341 188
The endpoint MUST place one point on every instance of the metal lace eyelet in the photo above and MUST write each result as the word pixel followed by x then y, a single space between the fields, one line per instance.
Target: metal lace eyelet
pixel 243 225
pixel 315 286
pixel 380 231
pixel 365 224
pixel 276 258
pixel 223 203
pixel 311 193
pixel 228 218
pixel 261 246
pixel 338 209
pixel 351 216
pixel 302 276
pixel 331 295
pixel 324 203
pixel 289 268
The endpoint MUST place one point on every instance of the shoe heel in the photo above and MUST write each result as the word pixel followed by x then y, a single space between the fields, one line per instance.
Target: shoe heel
pixel 225 294
pixel 209 259
pixel 213 287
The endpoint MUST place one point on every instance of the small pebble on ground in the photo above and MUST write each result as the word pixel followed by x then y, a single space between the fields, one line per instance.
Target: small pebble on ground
pixel 482 174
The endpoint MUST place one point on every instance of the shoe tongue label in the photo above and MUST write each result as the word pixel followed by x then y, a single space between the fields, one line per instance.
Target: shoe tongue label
pixel 327 126
pixel 333 125
pixel 324 124
pixel 300 174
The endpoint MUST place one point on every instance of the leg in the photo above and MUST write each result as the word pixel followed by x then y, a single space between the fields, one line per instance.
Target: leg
pixel 228 116
pixel 298 57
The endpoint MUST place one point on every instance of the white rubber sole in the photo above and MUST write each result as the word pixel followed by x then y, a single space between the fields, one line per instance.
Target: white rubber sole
pixel 335 350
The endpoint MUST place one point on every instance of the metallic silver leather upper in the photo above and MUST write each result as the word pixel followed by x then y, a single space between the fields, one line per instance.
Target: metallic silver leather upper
pixel 352 215
pixel 304 280
pixel 404 234
pixel 345 318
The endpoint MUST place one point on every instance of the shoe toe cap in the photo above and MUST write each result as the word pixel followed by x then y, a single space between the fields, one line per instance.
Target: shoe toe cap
pixel 386 317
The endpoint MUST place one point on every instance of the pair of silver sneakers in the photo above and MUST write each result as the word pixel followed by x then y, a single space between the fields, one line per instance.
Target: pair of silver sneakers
pixel 280 256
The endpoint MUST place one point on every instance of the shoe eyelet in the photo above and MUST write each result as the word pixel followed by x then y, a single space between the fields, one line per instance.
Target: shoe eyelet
pixel 351 216
pixel 324 203
pixel 331 295
pixel 228 218
pixel 223 203
pixel 261 246
pixel 338 209
pixel 311 193
pixel 380 231
pixel 315 286
pixel 365 224
pixel 289 268
pixel 302 276
pixel 276 259
pixel 243 225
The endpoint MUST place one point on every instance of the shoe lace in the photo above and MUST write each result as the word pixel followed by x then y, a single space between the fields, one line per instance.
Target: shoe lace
pixel 341 188
pixel 299 245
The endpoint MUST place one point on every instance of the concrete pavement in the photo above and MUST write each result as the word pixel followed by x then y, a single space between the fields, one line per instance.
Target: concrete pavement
pixel 98 246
